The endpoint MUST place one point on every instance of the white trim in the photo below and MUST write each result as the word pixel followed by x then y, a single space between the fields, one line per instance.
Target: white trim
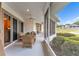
pixel 51 50
pixel 47 5
pixel 10 44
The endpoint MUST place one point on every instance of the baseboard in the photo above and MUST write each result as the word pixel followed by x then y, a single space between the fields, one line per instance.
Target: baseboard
pixel 10 44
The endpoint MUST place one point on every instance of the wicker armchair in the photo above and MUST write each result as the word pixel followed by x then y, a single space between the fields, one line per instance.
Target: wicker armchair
pixel 33 34
pixel 28 40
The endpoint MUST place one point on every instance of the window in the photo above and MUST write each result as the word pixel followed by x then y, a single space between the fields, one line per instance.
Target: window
pixel 46 24
pixel 52 27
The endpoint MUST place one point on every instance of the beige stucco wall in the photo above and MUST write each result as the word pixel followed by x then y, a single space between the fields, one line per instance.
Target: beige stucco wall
pixel 34 25
pixel 28 25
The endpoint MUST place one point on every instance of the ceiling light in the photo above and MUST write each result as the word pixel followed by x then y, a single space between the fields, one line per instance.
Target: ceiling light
pixel 28 10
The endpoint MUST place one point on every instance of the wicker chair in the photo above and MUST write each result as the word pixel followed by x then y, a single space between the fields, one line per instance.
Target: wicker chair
pixel 28 40
pixel 33 34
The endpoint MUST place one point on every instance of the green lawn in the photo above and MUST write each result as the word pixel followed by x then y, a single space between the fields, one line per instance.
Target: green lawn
pixel 68 36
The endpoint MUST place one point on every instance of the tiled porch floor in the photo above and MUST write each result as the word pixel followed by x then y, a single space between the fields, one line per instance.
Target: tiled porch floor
pixel 17 50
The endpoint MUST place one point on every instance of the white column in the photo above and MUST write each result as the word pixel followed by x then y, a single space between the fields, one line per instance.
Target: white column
pixel 49 24
pixel 1 26
pixel 18 28
pixel 11 29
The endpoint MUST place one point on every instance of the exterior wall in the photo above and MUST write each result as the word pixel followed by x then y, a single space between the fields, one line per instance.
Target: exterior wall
pixel 28 25
pixel 12 14
pixel 50 31
pixel 11 22
pixel 52 24
pixel 34 25
pixel 18 26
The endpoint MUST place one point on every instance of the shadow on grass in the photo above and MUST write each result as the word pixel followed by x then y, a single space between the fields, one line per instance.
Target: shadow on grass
pixel 66 34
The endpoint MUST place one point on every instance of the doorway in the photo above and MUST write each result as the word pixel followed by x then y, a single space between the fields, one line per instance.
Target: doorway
pixel 14 29
pixel 22 27
pixel 38 27
pixel 6 29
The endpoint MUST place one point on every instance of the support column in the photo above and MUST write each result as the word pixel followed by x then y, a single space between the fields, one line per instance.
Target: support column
pixel 49 24
pixel 11 22
pixel 18 27
pixel 1 32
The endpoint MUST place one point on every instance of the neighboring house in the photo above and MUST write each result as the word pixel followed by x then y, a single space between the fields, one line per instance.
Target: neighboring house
pixel 70 26
pixel 74 26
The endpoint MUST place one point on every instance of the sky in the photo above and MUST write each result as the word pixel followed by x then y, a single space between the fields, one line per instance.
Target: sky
pixel 69 14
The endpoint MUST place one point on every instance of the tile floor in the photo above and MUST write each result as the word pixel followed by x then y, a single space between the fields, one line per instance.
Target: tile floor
pixel 16 49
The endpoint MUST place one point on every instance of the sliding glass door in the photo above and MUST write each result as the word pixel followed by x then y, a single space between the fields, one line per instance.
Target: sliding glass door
pixel 14 29
pixel 6 29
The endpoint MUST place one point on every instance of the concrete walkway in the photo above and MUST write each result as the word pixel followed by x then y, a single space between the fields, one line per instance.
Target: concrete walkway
pixel 16 49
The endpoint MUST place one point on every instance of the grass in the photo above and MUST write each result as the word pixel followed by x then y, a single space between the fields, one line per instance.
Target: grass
pixel 71 38
pixel 61 30
pixel 65 33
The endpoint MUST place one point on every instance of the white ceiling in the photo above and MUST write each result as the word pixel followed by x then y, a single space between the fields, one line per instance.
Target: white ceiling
pixel 36 9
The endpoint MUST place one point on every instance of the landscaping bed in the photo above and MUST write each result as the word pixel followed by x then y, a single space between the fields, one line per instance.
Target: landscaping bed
pixel 65 44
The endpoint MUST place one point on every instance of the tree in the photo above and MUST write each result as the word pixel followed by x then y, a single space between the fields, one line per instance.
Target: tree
pixel 77 23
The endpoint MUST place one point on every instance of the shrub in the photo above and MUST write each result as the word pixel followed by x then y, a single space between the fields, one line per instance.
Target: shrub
pixel 70 49
pixel 57 42
pixel 65 46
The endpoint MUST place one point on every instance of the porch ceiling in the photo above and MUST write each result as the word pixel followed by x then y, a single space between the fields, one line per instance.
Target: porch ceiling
pixel 35 9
